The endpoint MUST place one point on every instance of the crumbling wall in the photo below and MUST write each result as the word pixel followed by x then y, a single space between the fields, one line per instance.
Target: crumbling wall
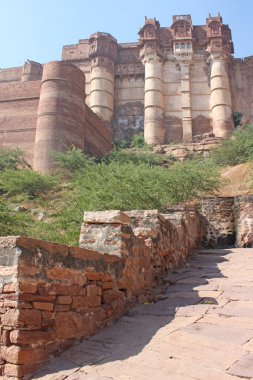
pixel 53 295
pixel 219 219
pixel 244 221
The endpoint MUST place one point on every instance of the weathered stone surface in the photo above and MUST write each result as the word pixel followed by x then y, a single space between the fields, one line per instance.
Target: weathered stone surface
pixel 111 295
pixel 66 274
pixel 107 217
pixel 72 325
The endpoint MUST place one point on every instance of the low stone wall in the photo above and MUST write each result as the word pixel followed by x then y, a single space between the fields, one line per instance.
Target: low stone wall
pixel 244 221
pixel 53 295
pixel 219 220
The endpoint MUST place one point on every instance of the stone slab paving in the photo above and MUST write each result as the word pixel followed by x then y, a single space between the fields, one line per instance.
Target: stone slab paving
pixel 201 328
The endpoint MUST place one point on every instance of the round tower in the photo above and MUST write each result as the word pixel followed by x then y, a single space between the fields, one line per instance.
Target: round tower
pixel 103 53
pixel 153 99
pixel 61 113
pixel 153 59
pixel 221 105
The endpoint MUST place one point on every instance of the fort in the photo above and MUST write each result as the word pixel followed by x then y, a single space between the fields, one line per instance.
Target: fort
pixel 175 83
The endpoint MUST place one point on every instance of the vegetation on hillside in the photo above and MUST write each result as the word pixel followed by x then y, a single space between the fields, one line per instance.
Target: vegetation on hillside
pixel 126 179
pixel 237 150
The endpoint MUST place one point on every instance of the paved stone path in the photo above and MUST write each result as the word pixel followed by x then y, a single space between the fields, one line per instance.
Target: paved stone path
pixel 201 328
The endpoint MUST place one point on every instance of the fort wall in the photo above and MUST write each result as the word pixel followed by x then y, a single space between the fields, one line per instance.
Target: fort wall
pixel 52 295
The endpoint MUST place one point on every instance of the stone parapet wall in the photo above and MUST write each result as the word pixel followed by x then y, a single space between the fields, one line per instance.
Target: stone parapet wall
pixel 53 295
pixel 219 218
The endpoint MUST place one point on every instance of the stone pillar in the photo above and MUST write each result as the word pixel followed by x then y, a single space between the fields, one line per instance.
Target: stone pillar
pixel 103 53
pixel 221 105
pixel 186 101
pixel 154 131
pixel 61 113
pixel 102 92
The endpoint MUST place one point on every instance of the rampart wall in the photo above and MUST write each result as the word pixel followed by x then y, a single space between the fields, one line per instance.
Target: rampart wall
pixel 52 295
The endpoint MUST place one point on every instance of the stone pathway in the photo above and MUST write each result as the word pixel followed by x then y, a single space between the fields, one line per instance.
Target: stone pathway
pixel 201 328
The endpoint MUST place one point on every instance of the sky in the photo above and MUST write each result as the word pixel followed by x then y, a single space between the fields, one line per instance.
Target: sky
pixel 37 29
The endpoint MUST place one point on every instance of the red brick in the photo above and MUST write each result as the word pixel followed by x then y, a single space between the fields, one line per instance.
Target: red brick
pixel 21 355
pixel 70 325
pixel 66 274
pixel 43 306
pixel 118 308
pixel 84 254
pixel 108 285
pixel 84 302
pixel 36 298
pixel 22 337
pixel 61 307
pixel 111 295
pixel 92 290
pixel 64 300
pixel 28 287
pixel 61 289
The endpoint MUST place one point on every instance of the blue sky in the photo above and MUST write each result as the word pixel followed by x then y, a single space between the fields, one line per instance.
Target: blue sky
pixel 37 29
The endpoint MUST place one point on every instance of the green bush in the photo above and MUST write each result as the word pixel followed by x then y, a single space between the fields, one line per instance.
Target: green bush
pixel 25 181
pixel 236 150
pixel 13 223
pixel 138 141
pixel 71 160
pixel 11 159
pixel 128 186
pixel 122 156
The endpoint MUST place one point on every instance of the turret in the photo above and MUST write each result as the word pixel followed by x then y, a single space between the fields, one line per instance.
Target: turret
pixel 61 113
pixel 103 53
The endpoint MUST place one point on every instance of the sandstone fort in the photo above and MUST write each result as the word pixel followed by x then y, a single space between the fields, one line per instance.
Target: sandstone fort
pixel 176 82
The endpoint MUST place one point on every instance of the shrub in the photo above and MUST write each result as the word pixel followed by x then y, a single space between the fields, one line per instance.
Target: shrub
pixel 25 181
pixel 138 141
pixel 13 223
pixel 237 150
pixel 71 160
pixel 11 159
pixel 137 157
pixel 127 186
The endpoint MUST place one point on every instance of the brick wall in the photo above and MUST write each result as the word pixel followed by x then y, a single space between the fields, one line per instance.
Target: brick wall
pixel 53 295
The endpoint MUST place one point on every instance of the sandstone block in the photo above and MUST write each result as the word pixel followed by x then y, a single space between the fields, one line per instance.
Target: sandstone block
pixel 111 295
pixel 61 307
pixel 108 285
pixel 13 370
pixel 92 290
pixel 118 308
pixel 21 355
pixel 43 306
pixel 72 325
pixel 23 337
pixel 28 287
pixel 61 289
pixel 84 302
pixel 64 300
pixel 10 288
pixel 106 217
pixel 66 274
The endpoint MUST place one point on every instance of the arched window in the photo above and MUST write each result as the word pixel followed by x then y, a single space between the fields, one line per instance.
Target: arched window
pixel 182 46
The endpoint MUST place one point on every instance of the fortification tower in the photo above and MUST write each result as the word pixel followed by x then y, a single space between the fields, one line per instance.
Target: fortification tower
pixel 103 53
pixel 219 55
pixel 183 52
pixel 61 113
pixel 152 58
